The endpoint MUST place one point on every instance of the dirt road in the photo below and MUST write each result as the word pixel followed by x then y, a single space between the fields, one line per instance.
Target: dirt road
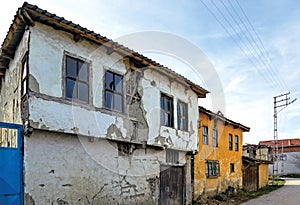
pixel 289 194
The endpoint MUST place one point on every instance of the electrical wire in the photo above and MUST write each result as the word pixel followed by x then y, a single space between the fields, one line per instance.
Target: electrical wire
pixel 260 57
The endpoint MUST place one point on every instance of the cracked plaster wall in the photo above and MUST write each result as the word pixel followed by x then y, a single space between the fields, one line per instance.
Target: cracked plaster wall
pixel 105 178
pixel 46 56
pixel 10 93
pixel 46 151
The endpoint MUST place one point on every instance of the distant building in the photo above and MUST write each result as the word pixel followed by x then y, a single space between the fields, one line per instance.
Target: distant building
pixel 256 161
pixel 262 152
pixel 288 155
pixel 255 173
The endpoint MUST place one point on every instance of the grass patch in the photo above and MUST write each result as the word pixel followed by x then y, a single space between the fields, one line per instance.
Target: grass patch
pixel 294 175
pixel 241 195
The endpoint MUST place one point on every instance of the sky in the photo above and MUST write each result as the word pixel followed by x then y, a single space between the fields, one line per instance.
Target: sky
pixel 253 45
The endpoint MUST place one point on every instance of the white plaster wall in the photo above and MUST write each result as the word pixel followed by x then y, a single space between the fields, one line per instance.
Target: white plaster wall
pixel 177 139
pixel 290 166
pixel 10 94
pixel 47 49
pixel 90 163
pixel 100 177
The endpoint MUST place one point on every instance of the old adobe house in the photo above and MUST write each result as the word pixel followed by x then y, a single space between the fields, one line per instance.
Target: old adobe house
pixel 102 124
pixel 218 164
pixel 256 162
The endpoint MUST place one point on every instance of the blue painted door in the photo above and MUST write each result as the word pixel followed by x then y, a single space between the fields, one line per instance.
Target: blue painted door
pixel 11 173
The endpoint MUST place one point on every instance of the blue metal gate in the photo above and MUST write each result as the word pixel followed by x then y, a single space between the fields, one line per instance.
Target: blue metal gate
pixel 11 164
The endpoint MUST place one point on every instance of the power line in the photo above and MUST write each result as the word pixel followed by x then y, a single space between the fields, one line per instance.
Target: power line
pixel 226 30
pixel 262 45
pixel 259 52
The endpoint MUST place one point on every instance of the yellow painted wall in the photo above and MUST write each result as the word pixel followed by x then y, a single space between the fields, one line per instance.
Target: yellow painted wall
pixel 263 175
pixel 208 186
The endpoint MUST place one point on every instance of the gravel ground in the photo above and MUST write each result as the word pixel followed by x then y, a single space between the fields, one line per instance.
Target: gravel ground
pixel 289 194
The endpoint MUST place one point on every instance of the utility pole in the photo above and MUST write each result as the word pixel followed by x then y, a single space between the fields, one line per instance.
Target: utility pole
pixel 280 101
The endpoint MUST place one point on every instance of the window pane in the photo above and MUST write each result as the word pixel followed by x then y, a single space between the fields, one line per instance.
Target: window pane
pixel 24 74
pixel 82 71
pixel 118 102
pixel 168 104
pixel 184 124
pixel 179 107
pixel 83 92
pixel 24 87
pixel 71 67
pixel 162 116
pixel 167 119
pixel 179 123
pixel 108 100
pixel 109 81
pixel 70 88
pixel 118 83
pixel 162 102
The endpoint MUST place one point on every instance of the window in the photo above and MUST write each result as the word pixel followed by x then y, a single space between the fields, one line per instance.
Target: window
pixel 24 79
pixel 230 141
pixel 205 135
pixel 231 167
pixel 113 91
pixel 172 156
pixel 123 149
pixel 166 104
pixel 236 143
pixel 182 116
pixel 77 79
pixel 215 138
pixel 212 168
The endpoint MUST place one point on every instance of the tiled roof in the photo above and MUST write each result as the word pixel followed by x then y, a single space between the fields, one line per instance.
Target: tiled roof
pixel 219 115
pixel 28 13
pixel 283 142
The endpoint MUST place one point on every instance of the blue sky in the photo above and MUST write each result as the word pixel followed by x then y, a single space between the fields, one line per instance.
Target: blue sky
pixel 250 78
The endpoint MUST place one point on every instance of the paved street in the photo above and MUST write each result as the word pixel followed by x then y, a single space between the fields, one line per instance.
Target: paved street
pixel 287 195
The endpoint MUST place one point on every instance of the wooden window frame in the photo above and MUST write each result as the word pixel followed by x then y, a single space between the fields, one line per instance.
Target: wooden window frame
pixel 236 143
pixel 232 168
pixel 215 137
pixel 212 168
pixel 76 79
pixel 24 75
pixel 205 135
pixel 182 116
pixel 114 92
pixel 230 141
pixel 165 111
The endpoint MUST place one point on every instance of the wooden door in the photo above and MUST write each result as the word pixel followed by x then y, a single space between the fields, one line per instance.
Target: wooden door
pixel 171 185
pixel 250 178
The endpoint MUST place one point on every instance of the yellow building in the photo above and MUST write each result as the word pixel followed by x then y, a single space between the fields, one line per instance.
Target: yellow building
pixel 218 163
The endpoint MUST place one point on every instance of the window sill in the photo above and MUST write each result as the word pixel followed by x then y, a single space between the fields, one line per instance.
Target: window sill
pixel 212 177
pixel 115 113
pixel 78 103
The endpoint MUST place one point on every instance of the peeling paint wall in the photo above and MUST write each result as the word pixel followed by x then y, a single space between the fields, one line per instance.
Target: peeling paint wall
pixel 76 152
pixel 46 56
pixel 208 186
pixel 62 167
pixel 161 135
pixel 10 100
